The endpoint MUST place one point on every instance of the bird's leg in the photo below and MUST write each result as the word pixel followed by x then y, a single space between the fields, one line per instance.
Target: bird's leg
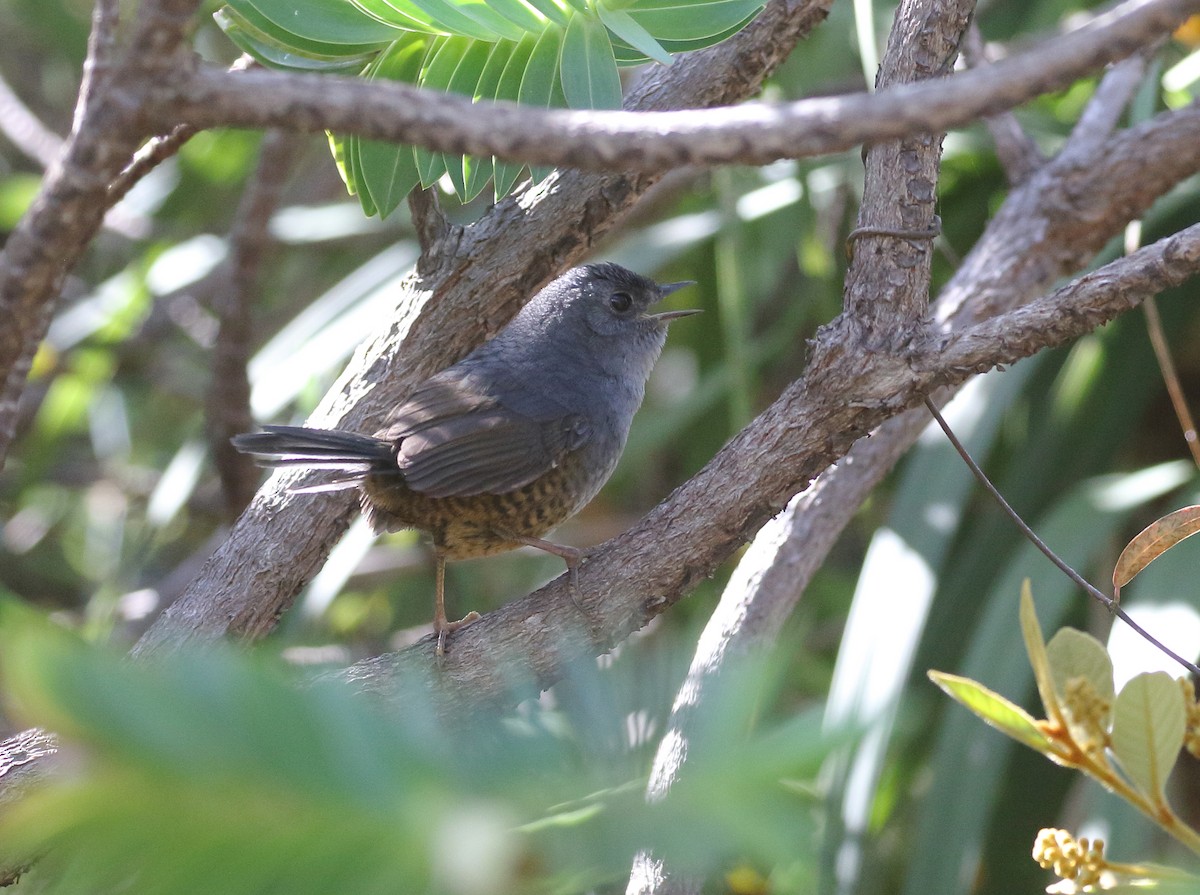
pixel 441 625
pixel 572 556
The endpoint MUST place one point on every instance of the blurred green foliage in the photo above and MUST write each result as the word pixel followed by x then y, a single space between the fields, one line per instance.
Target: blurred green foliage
pixel 110 503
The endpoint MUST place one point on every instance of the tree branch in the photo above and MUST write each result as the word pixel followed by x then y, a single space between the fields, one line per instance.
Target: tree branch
pixel 478 283
pixel 749 134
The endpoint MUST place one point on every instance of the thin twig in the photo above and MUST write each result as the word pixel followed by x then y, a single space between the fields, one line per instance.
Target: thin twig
pixel 1108 602
pixel 1162 351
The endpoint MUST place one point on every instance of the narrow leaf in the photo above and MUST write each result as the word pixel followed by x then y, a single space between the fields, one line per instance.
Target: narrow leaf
pixel 1153 541
pixel 588 68
pixel 501 26
pixel 477 172
pixel 625 27
pixel 539 81
pixel 276 53
pixel 1035 646
pixel 464 80
pixel 436 72
pixel 524 16
pixel 552 10
pixel 509 88
pixel 323 22
pixel 354 170
pixel 690 19
pixel 994 709
pixel 450 17
pixel 627 55
pixel 1149 720
pixel 399 13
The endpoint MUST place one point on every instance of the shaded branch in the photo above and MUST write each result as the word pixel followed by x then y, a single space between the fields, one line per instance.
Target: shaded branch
pixel 749 134
pixel 844 394
pixel 227 402
pixel 443 311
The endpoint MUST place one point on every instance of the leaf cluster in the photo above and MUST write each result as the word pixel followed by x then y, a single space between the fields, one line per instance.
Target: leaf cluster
pixel 547 53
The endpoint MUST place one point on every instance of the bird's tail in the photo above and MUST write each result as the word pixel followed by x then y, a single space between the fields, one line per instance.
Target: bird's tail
pixel 352 457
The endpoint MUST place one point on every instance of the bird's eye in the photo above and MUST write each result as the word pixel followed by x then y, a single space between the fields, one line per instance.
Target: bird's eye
pixel 620 302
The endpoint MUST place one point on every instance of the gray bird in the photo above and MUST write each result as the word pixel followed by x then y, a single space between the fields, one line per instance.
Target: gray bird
pixel 493 452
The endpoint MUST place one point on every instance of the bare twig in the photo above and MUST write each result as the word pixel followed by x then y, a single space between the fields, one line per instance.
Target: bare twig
pixel 1162 351
pixel 1095 593
pixel 227 404
pixel 750 134
pixel 1019 155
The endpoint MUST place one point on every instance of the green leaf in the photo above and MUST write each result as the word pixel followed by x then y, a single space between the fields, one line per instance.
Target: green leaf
pixel 321 21
pixel 581 6
pixel 1035 647
pixel 509 88
pixel 501 26
pixel 520 14
pixel 275 53
pixel 588 68
pixel 627 55
pixel 436 72
pixel 1072 654
pixel 454 20
pixel 477 172
pixel 399 13
pixel 355 170
pixel 625 27
pixel 994 709
pixel 690 19
pixel 539 81
pixel 389 171
pixel 465 80
pixel 1149 721
pixel 552 11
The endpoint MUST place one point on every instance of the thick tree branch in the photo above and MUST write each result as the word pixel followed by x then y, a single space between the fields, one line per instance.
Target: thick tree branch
pixel 885 300
pixel 52 236
pixel 481 278
pixel 750 134
pixel 843 395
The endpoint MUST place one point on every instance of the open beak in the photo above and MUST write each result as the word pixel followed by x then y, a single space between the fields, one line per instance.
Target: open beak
pixel 666 289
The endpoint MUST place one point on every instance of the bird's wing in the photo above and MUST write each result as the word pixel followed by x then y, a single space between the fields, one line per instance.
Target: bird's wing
pixel 455 441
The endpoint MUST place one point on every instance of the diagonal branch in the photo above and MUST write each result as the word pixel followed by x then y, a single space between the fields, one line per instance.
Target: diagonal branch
pixel 750 134
pixel 843 395
pixel 477 282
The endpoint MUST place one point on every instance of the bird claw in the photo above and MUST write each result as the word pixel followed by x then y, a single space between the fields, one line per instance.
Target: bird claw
pixel 448 627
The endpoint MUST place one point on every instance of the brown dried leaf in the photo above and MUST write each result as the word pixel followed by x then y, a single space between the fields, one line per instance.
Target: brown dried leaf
pixel 1153 541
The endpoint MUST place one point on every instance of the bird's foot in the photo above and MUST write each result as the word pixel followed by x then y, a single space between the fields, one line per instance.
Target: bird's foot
pixel 443 627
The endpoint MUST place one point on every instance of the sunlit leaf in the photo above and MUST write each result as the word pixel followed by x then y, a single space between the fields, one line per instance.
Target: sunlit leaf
pixel 552 10
pixel 690 19
pixel 1074 653
pixel 454 20
pixel 520 14
pixel 464 81
pixel 509 88
pixel 277 54
pixel 436 72
pixel 389 170
pixel 539 81
pixel 499 25
pixel 320 21
pixel 1035 646
pixel 399 13
pixel 993 708
pixel 588 69
pixel 1149 721
pixel 629 30
pixel 1153 541
pixel 477 172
